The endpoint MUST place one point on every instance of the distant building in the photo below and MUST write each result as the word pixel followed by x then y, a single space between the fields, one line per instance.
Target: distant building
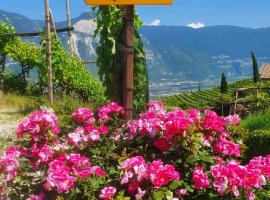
pixel 265 72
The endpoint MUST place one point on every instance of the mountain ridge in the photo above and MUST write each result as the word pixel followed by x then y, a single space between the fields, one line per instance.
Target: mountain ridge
pixel 176 54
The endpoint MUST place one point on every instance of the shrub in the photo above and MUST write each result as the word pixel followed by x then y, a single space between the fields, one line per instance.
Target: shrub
pixel 161 155
pixel 259 121
pixel 14 83
pixel 258 143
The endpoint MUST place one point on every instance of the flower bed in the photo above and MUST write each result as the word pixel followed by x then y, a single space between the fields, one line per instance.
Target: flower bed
pixel 161 155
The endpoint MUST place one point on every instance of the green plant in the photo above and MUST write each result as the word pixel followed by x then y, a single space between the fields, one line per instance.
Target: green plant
pixel 223 84
pixel 258 121
pixel 256 74
pixel 110 61
pixel 69 73
pixel 14 83
pixel 258 143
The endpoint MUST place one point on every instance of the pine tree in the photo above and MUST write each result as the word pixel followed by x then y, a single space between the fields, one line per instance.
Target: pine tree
pixel 223 84
pixel 256 75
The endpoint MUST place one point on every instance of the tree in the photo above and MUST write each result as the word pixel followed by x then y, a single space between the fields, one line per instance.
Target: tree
pixel 223 84
pixel 256 74
pixel 110 60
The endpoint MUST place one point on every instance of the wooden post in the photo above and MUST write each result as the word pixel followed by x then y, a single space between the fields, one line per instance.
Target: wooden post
pixel 128 60
pixel 235 103
pixel 2 70
pixel 69 24
pixel 48 51
pixel 222 106
pixel 53 27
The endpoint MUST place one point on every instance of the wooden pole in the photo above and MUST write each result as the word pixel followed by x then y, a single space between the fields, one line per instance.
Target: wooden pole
pixel 53 27
pixel 128 60
pixel 69 24
pixel 2 70
pixel 48 51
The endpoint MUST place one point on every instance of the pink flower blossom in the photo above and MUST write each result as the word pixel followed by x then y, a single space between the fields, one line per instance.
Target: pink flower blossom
pixel 182 192
pixel 98 171
pixel 140 194
pixel 233 120
pixel 227 147
pixel 162 144
pixel 105 112
pixel 40 155
pixel 107 193
pixel 64 170
pixel 160 174
pixel 9 163
pixel 59 177
pixel 200 178
pixel 83 116
pixel 40 196
pixel 76 137
pixel 212 122
pixel 41 125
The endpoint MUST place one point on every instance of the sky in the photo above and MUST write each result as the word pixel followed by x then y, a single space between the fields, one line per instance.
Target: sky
pixel 195 13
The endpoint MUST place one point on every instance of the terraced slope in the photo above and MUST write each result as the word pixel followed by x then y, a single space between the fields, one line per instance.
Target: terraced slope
pixel 205 98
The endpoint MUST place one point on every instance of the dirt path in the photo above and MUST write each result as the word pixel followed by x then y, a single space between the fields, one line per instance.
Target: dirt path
pixel 8 125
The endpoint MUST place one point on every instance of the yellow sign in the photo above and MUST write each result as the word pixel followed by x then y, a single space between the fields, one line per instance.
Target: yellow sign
pixel 129 2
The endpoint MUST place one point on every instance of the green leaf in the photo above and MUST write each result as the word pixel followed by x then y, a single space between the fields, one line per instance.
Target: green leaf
pixel 158 195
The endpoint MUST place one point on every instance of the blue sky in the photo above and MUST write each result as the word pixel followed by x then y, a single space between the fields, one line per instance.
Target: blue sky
pixel 247 13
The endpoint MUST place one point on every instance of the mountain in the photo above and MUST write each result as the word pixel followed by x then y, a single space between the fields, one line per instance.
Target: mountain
pixel 178 58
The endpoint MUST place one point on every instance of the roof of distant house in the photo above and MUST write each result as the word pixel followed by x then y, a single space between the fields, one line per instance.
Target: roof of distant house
pixel 265 71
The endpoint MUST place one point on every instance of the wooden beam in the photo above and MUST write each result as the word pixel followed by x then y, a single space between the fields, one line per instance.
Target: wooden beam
pixel 48 51
pixel 53 27
pixel 128 61
pixel 32 34
pixel 89 62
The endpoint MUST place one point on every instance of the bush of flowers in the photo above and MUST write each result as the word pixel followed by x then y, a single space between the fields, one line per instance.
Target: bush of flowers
pixel 161 155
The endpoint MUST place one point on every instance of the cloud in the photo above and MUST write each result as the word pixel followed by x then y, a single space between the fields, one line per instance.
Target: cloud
pixel 155 22
pixel 196 25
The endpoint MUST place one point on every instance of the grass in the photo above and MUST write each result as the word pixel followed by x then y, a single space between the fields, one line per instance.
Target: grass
pixel 259 121
pixel 14 108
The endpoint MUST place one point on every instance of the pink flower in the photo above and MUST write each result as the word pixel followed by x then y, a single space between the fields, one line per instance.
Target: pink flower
pixel 59 177
pixel 83 116
pixel 107 193
pixel 233 120
pixel 41 125
pixel 227 147
pixel 194 115
pixel 140 194
pixel 80 165
pixel 162 144
pixel 212 122
pixel 160 174
pixel 9 163
pixel 200 178
pixel 105 112
pixel 94 136
pixel 40 155
pixel 103 129
pixel 40 196
pixel 98 171
pixel 133 186
pixel 64 170
pixel 76 137
pixel 134 167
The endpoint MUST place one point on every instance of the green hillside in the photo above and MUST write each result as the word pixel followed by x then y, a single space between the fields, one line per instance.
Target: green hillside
pixel 211 97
